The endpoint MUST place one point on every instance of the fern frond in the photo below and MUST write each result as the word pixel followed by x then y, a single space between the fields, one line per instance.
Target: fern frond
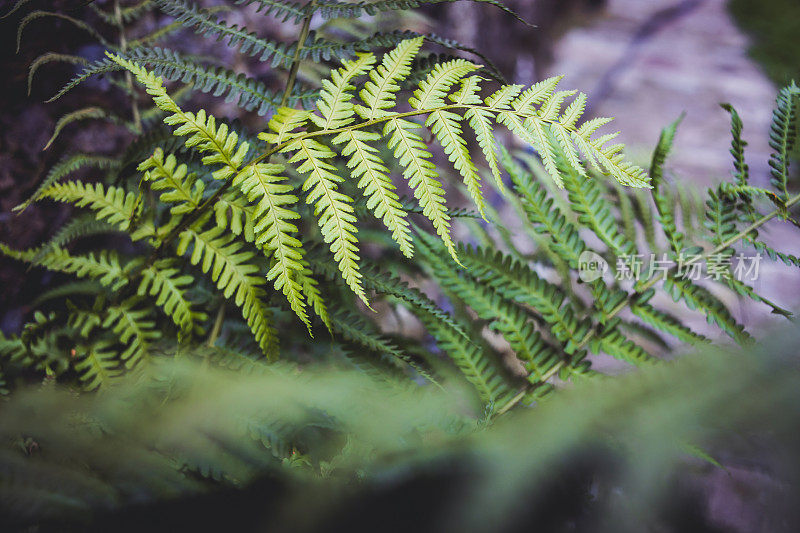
pixel 50 57
pixel 333 209
pixel 738 144
pixel 97 365
pixel 366 165
pixel 135 327
pixel 447 130
pixel 519 283
pixel 36 348
pixel 432 91
pixel 16 7
pixel 334 103
pixel 663 321
pixel 480 120
pixel 246 92
pixel 104 267
pixel 284 10
pixel 664 205
pixel 180 188
pixel 263 185
pixel 379 93
pixel 355 329
pixel 775 255
pixel 588 202
pixel 420 171
pixel 330 9
pixel 232 212
pixel 310 289
pixel 259 183
pixel 101 66
pixel 229 267
pixel 311 156
pixel 506 317
pixel 743 289
pixel 203 22
pixel 87 113
pixel 475 364
pixel 782 136
pixel 532 132
pixel 161 280
pixel 283 124
pixel 113 204
pixel 204 135
pixel 611 341
pixel 547 219
pixel 84 288
pixel 699 298
pixel 77 227
pixel 40 14
pixel 646 217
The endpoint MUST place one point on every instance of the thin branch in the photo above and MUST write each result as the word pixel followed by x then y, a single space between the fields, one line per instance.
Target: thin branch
pixel 123 45
pixel 304 31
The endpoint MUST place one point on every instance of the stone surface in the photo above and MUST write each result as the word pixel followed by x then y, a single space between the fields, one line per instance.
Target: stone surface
pixel 689 64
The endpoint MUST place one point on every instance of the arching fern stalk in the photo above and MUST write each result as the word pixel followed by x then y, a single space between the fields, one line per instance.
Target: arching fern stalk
pixel 534 114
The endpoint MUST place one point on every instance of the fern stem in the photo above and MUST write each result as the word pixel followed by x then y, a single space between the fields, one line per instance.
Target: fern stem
pixel 208 204
pixel 123 45
pixel 215 331
pixel 304 31
pixel 647 285
pixel 373 122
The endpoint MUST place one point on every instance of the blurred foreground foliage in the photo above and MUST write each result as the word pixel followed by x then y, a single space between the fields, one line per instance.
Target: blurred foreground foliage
pixel 186 446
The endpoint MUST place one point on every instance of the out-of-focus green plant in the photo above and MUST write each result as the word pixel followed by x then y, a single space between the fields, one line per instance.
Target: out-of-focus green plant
pixel 615 448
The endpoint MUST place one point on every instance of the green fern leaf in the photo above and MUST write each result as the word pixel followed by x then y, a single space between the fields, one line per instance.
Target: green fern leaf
pixel 284 10
pixel 509 319
pixel 663 321
pixel 445 126
pixel 783 133
pixel 334 209
pixel 136 329
pixel 161 280
pixel 588 202
pixel 104 267
pixel 697 297
pixel 97 366
pixel 354 329
pixel 40 14
pixel 192 16
pixel 365 165
pixel 379 93
pixel 475 364
pixel 419 170
pixel 113 204
pixel 664 205
pixel 283 124
pixel 64 167
pixel 521 284
pixel 77 227
pixel 334 104
pixel 230 268
pixel 50 57
pixel 181 188
pixel 262 184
